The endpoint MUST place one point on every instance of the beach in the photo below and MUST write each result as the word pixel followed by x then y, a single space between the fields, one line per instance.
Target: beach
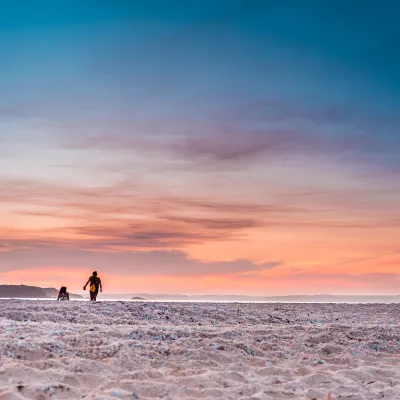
pixel 138 350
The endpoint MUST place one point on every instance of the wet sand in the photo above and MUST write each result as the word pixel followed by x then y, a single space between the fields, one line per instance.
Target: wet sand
pixel 138 350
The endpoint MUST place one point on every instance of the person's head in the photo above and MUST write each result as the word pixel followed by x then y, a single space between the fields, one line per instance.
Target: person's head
pixel 94 273
pixel 63 290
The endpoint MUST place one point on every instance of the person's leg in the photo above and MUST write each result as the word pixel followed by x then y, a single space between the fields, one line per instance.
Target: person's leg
pixel 92 296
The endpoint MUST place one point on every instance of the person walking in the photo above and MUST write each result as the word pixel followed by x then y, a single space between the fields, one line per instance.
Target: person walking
pixel 95 285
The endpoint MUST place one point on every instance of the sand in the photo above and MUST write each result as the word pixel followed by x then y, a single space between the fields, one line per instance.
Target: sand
pixel 138 350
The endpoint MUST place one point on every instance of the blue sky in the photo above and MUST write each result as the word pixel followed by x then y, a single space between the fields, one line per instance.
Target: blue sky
pixel 231 102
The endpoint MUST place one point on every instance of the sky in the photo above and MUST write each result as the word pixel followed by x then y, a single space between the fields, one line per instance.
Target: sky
pixel 198 147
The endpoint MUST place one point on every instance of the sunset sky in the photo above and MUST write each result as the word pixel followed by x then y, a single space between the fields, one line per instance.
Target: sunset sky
pixel 224 146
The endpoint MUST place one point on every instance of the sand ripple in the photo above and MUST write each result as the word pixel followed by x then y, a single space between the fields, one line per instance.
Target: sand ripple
pixel 122 350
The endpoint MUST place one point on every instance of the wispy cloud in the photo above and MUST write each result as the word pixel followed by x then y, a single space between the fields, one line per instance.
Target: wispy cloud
pixel 127 216
pixel 151 263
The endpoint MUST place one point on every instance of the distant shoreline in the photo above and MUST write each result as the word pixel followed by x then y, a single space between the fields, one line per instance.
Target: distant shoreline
pixel 24 292
pixel 200 301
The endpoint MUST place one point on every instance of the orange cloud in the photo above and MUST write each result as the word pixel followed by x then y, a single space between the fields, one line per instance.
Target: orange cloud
pixel 222 239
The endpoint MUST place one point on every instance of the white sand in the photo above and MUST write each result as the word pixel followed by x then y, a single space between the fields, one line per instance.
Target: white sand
pixel 108 350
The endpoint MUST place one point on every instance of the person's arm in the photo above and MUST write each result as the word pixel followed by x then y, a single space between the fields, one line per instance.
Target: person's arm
pixel 101 287
pixel 87 283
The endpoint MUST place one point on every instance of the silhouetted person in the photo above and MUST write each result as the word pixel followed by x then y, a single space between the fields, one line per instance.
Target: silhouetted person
pixel 63 294
pixel 95 284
